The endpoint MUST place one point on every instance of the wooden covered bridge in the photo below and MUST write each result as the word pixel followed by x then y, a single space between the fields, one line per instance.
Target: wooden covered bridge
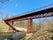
pixel 40 13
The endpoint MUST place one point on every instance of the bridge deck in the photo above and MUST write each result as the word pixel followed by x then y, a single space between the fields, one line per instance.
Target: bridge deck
pixel 31 14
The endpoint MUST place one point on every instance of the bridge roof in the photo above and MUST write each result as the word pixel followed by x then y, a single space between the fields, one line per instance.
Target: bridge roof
pixel 34 12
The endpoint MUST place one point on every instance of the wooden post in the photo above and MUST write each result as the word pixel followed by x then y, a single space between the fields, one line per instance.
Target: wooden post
pixel 29 28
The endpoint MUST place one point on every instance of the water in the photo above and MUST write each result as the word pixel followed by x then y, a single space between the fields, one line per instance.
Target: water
pixel 5 39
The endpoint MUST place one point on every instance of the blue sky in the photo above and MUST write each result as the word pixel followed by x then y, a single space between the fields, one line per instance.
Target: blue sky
pixel 18 7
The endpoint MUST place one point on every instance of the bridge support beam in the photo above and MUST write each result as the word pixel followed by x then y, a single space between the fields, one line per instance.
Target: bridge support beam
pixel 11 23
pixel 29 29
